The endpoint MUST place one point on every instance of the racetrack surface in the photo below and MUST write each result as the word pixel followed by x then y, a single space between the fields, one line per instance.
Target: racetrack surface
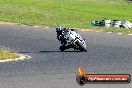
pixel 50 68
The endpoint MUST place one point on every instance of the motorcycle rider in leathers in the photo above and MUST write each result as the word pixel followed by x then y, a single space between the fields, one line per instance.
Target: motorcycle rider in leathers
pixel 60 35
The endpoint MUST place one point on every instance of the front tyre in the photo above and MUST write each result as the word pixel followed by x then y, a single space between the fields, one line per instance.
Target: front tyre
pixel 82 48
pixel 62 48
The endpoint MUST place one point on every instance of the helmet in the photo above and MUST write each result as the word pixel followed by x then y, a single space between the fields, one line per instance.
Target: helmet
pixel 58 28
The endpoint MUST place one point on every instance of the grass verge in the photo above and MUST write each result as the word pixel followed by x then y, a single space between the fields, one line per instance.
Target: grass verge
pixel 67 13
pixel 6 54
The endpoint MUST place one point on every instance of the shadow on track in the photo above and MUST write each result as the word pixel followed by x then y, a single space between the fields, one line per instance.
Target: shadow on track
pixel 46 51
pixel 56 51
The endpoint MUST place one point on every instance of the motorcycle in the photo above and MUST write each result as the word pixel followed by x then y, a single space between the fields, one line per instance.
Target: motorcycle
pixel 72 39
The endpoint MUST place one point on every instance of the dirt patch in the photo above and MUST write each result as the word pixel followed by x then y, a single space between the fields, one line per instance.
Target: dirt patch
pixel 7 23
pixel 21 57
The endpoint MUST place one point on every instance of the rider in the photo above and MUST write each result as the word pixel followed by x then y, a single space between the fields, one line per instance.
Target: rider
pixel 60 35
pixel 59 32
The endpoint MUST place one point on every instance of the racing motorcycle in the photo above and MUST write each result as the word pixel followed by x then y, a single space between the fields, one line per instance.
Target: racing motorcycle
pixel 70 38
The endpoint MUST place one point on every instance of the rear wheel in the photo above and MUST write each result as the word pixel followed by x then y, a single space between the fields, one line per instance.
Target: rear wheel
pixel 82 48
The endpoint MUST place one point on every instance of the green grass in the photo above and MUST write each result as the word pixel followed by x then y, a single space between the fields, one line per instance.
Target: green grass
pixel 6 54
pixel 67 13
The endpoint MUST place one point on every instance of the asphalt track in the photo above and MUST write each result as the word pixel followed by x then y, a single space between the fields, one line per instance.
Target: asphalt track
pixel 50 68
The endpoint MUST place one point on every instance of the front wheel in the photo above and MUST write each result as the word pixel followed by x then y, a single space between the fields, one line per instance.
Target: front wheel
pixel 82 48
pixel 62 48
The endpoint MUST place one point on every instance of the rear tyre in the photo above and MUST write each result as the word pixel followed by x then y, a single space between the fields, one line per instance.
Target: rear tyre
pixel 82 48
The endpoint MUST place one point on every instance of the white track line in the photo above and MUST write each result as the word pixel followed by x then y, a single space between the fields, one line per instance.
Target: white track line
pixel 36 26
pixel 46 27
pixel 129 34
pixel 119 33
pixel 23 25
pixel 109 32
pixel 106 32
pixel 83 30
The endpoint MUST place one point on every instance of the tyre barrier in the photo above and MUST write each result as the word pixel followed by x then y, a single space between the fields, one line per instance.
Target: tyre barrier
pixel 96 23
pixel 127 25
pixel 114 23
pixel 106 23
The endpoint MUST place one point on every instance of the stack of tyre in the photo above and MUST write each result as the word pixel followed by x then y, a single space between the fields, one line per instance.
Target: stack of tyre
pixel 96 23
pixel 114 23
pixel 126 24
pixel 106 23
